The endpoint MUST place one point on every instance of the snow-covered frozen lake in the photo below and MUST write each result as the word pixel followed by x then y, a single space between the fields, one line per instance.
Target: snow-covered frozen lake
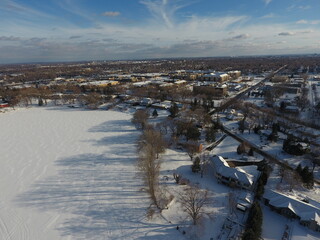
pixel 70 174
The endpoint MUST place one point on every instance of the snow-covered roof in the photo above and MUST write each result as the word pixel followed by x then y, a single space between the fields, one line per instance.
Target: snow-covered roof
pixel 180 82
pixel 221 167
pixel 302 209
pixel 245 198
pixel 215 74
pixel 139 84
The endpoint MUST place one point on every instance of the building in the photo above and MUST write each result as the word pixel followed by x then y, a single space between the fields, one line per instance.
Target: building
pixel 307 214
pixel 212 91
pixel 215 77
pixel 233 177
pixel 234 74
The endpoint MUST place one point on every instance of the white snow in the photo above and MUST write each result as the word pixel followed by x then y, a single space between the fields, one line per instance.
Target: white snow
pixel 70 174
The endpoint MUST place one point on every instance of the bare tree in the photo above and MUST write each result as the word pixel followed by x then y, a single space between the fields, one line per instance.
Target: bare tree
pixel 140 118
pixel 149 167
pixel 92 100
pixel 193 201
pixel 292 178
pixel 154 138
pixel 192 149
pixel 150 145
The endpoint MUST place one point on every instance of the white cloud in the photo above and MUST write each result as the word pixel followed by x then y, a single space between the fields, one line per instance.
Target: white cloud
pixel 305 7
pixel 312 22
pixel 270 15
pixel 267 2
pixel 298 7
pixel 111 14
pixel 164 10
pixel 12 7
pixel 163 35
pixel 302 21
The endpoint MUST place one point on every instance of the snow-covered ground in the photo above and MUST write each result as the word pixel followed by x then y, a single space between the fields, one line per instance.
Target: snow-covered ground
pixel 70 174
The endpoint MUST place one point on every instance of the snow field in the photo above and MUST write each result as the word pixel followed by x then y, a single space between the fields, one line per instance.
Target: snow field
pixel 70 174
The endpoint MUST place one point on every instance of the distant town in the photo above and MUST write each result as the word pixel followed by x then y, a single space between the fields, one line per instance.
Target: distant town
pixel 226 148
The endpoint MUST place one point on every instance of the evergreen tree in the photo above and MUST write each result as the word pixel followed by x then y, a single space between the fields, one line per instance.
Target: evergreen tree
pixel 211 103
pixel 249 235
pixel 211 134
pixel 40 103
pixel 242 125
pixel 174 110
pixel 194 104
pixel 155 113
pixel 254 223
pixel 299 169
pixel 250 153
pixel 196 165
pixel 307 177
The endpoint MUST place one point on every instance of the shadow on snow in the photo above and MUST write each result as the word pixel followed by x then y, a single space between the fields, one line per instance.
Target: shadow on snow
pixel 100 192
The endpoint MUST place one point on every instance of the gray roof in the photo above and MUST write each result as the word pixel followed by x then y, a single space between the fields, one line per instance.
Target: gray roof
pixel 302 209
pixel 221 167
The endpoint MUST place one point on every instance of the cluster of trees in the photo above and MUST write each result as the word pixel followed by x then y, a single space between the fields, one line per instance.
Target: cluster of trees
pixel 254 223
pixel 59 94
pixel 206 103
pixel 25 95
pixel 262 118
pixel 306 176
pixel 150 145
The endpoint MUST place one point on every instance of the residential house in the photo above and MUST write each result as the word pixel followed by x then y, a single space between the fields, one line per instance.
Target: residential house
pixel 233 177
pixel 307 214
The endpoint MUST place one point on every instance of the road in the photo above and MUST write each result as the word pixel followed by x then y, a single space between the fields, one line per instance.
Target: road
pixel 231 101
pixel 257 149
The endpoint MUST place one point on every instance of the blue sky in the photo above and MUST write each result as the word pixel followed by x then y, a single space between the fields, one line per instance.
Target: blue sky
pixel 75 30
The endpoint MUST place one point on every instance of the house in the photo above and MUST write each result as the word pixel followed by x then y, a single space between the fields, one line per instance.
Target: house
pixel 233 177
pixel 4 104
pixel 233 115
pixel 307 214
pixel 146 102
